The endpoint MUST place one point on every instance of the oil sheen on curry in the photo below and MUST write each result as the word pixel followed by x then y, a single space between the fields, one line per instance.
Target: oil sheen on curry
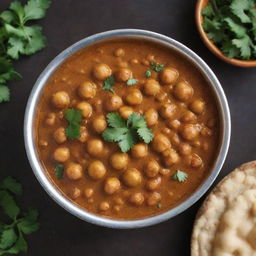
pixel 127 129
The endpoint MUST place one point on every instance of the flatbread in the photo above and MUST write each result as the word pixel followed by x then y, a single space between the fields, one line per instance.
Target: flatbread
pixel 226 223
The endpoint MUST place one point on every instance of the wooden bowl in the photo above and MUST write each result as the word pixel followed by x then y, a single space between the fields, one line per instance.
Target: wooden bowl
pixel 199 21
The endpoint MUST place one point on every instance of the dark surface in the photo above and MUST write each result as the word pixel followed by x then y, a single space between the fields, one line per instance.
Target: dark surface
pixel 66 22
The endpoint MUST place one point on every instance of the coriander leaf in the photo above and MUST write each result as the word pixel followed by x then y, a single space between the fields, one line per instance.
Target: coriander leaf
pixel 146 134
pixel 59 171
pixel 113 134
pixel 8 238
pixel 7 16
pixel 156 66
pixel 148 74
pixel 208 11
pixel 35 9
pixel 27 227
pixel 8 204
pixel 108 84
pixel 74 117
pixel 6 71
pixel 18 9
pixel 15 47
pixel 239 30
pixel 4 93
pixel 244 44
pixel 239 8
pixel 32 214
pixel 115 120
pixel 12 185
pixel 230 50
pixel 136 121
pixel 13 31
pixel 180 176
pixel 132 81
pixel 127 141
pixel 19 246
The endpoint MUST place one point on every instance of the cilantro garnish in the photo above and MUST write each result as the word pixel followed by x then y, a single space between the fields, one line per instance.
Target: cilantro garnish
pixel 17 223
pixel 59 171
pixel 127 133
pixel 74 117
pixel 148 74
pixel 108 84
pixel 180 176
pixel 17 38
pixel 132 81
pixel 156 66
pixel 231 25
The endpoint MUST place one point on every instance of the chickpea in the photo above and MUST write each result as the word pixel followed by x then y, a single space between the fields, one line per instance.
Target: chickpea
pixel 60 99
pixel 161 143
pixel 175 139
pixel 43 143
pixel 119 52
pixel 153 184
pixel 86 108
pixel 169 75
pixel 87 90
pixel 168 110
pixel 206 132
pixel 74 171
pixel 94 147
pixel 117 208
pixel 136 198
pixel 104 206
pixel 88 192
pixel 75 193
pixel 112 185
pixel 183 91
pixel 171 158
pixel 174 124
pixel 123 75
pixel 121 63
pixel 125 111
pixel 134 97
pixel 188 117
pixel 197 106
pixel 139 150
pixel 114 102
pixel 60 135
pixel 151 87
pixel 196 161
pixel 102 71
pixel 96 170
pixel 119 161
pixel 99 124
pixel 61 154
pixel 50 119
pixel 119 201
pixel 132 177
pixel 161 96
pixel 185 149
pixel 134 61
pixel 151 117
pixel 151 168
pixel 153 198
pixel 164 171
pixel 83 134
pixel 189 131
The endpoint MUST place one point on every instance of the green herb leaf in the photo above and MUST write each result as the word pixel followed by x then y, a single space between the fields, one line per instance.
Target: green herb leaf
pixel 108 84
pixel 12 185
pixel 4 93
pixel 180 176
pixel 156 66
pixel 59 171
pixel 8 204
pixel 35 9
pixel 132 81
pixel 148 74
pixel 8 238
pixel 244 44
pixel 74 117
pixel 127 133
pixel 239 7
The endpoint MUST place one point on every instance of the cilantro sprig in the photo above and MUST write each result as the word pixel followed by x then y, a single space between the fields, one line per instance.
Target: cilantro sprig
pixel 231 25
pixel 156 66
pixel 17 223
pixel 108 84
pixel 17 38
pixel 131 81
pixel 74 117
pixel 180 176
pixel 59 171
pixel 127 133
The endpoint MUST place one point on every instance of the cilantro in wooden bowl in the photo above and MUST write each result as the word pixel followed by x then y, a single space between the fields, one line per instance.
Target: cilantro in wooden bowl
pixel 228 28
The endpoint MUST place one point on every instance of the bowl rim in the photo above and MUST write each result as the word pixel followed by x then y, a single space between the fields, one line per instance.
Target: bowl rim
pixel 211 46
pixel 73 208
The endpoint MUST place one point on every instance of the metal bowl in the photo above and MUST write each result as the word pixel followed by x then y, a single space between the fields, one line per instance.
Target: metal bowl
pixel 73 208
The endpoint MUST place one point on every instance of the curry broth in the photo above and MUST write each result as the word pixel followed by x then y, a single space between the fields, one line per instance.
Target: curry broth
pixel 78 68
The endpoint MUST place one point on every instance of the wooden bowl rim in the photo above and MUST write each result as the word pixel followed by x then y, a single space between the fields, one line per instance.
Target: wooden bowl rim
pixel 211 46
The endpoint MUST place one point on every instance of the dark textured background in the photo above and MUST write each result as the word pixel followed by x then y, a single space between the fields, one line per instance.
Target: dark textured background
pixel 66 22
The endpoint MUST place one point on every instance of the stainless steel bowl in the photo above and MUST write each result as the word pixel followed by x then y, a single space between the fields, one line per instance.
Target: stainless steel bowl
pixel 53 191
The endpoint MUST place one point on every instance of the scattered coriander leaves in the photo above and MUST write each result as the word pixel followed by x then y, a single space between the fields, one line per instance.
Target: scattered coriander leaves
pixel 132 81
pixel 74 117
pixel 231 25
pixel 148 74
pixel 12 233
pixel 156 66
pixel 180 176
pixel 59 171
pixel 108 84
pixel 127 133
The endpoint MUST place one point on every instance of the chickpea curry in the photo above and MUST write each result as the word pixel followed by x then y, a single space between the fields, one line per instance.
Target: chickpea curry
pixel 127 128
